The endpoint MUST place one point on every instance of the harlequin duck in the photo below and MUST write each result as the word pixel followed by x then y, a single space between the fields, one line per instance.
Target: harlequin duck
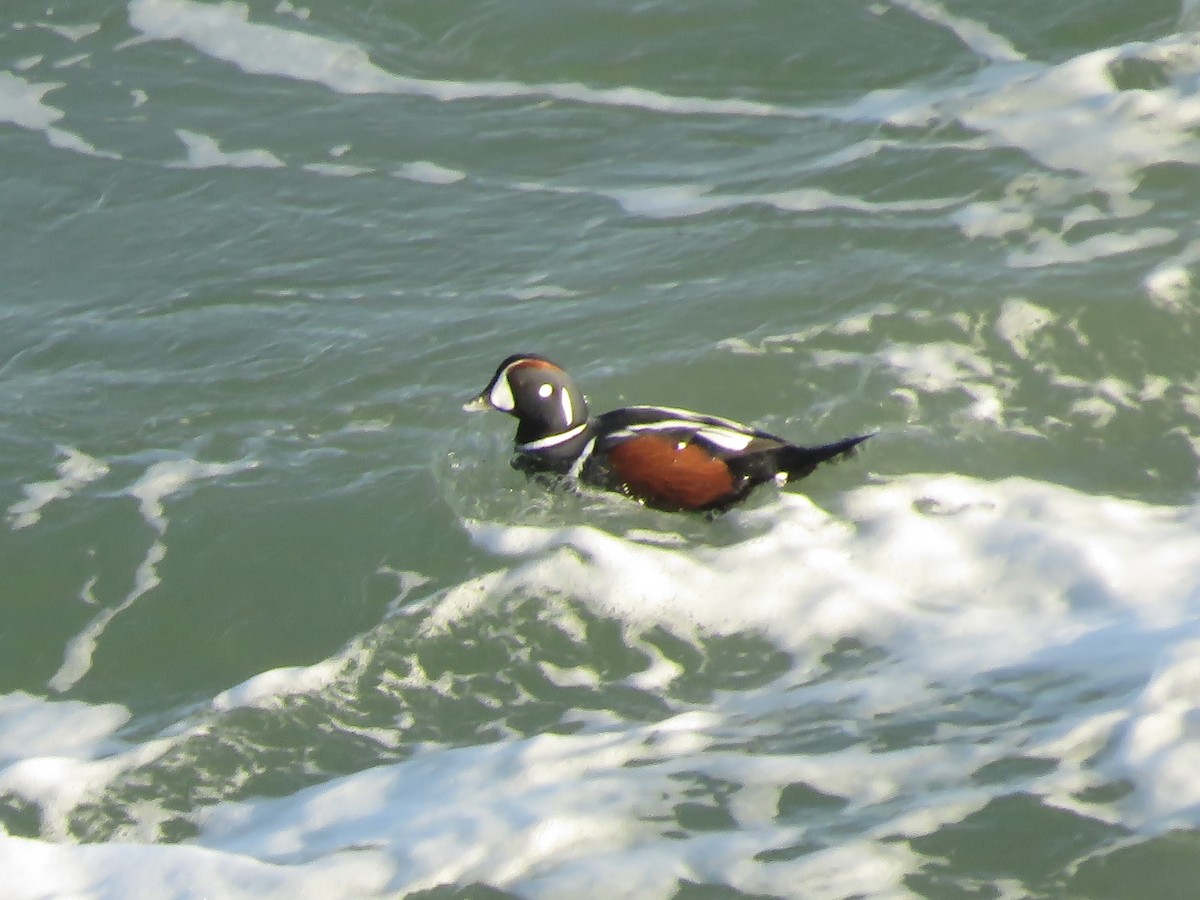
pixel 670 459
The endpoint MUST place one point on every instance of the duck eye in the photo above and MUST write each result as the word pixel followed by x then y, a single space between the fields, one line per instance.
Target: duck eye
pixel 545 391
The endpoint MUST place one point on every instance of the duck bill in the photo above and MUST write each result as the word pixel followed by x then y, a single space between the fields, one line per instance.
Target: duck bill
pixel 477 404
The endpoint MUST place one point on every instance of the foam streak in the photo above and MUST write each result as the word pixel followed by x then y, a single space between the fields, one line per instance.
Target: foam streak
pixel 223 31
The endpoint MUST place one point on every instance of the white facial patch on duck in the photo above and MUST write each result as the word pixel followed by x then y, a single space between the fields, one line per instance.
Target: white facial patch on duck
pixel 501 395
pixel 545 391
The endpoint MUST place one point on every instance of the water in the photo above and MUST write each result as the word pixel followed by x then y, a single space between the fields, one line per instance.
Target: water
pixel 279 621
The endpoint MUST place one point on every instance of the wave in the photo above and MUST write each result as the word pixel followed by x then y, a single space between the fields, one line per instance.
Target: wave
pixel 923 659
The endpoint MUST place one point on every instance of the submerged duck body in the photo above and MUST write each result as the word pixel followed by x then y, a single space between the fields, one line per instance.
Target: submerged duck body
pixel 669 459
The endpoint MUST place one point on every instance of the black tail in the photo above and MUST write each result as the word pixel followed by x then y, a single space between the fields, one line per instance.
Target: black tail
pixel 797 462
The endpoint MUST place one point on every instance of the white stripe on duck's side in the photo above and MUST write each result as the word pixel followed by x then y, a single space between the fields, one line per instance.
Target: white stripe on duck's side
pixel 732 439
pixel 687 415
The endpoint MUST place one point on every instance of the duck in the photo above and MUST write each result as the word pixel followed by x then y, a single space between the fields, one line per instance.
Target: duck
pixel 668 459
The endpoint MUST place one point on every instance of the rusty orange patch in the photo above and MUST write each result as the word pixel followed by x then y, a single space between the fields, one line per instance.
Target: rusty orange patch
pixel 534 364
pixel 656 469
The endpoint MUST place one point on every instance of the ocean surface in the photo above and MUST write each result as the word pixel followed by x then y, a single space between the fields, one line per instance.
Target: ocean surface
pixel 278 620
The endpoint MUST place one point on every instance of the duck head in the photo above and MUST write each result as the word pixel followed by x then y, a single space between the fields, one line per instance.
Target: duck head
pixel 548 406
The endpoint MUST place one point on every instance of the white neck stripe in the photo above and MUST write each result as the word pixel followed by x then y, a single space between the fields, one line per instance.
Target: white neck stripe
pixel 552 440
pixel 577 466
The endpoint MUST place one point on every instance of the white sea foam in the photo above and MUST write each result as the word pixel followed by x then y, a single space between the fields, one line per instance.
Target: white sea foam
pixel 167 477
pixel 859 323
pixel 74 60
pixel 340 170
pixel 30 726
pixel 300 12
pixel 1169 284
pixel 541 292
pixel 1099 130
pixel 429 173
pixel 1089 135
pixel 981 367
pixel 1080 609
pixel 934 367
pixel 418 805
pixel 915 546
pixel 77 657
pixel 975 35
pixel 1161 742
pixel 21 105
pixel 1018 321
pixel 276 683
pixel 60 754
pixel 683 200
pixel 73 33
pixel 159 481
pixel 203 152
pixel 224 31
pixel 549 816
pixel 1109 138
pixel 76 471
pixel 35 870
pixel 1052 249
